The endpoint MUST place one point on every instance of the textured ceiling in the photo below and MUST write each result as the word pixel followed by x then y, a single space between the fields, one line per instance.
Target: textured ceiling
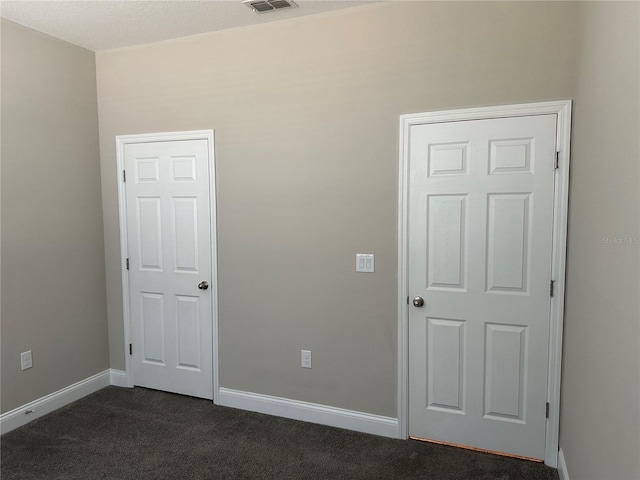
pixel 106 24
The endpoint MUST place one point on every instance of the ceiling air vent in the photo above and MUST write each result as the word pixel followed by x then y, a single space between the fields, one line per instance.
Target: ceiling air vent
pixel 262 6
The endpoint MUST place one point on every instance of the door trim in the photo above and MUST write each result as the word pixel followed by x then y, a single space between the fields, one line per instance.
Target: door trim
pixel 560 211
pixel 121 142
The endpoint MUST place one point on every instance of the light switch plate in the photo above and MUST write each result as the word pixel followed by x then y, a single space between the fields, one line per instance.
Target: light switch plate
pixel 365 262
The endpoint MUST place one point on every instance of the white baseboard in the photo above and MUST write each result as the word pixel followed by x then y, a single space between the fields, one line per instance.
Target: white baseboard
pixel 43 405
pixel 310 412
pixel 562 466
pixel 118 378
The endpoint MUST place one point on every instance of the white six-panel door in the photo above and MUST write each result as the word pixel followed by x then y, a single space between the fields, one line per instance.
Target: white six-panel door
pixel 169 248
pixel 481 198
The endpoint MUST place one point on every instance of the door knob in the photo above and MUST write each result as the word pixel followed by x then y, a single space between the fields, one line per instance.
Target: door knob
pixel 203 285
pixel 418 301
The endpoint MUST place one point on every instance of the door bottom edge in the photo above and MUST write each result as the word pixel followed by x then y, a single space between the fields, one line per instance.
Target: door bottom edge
pixel 476 449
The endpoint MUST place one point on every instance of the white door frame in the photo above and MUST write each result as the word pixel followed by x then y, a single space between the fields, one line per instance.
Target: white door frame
pixel 121 142
pixel 560 210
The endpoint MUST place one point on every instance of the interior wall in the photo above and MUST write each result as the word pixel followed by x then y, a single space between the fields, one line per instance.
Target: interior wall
pixel 305 113
pixel 600 417
pixel 53 280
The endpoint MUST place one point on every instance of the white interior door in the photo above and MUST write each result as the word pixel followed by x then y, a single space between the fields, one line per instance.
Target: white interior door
pixel 169 245
pixel 480 253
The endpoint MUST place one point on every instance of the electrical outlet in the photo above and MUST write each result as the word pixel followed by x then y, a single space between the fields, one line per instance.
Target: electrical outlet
pixel 26 360
pixel 305 358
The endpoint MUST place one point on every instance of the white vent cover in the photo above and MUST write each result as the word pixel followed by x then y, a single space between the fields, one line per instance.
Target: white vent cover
pixel 262 6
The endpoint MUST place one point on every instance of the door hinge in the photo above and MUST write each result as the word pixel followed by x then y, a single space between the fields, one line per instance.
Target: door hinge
pixel 127 262
pixel 556 163
pixel 547 410
pixel 131 352
pixel 124 175
pixel 551 287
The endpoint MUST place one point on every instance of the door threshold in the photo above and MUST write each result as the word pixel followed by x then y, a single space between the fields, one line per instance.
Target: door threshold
pixel 476 449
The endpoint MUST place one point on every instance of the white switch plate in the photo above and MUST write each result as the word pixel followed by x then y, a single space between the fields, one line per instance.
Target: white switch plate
pixel 305 358
pixel 365 262
pixel 26 360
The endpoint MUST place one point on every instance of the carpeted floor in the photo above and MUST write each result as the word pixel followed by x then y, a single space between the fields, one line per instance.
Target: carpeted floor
pixel 140 434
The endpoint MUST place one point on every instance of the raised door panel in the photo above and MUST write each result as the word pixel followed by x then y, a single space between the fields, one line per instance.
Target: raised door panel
pixel 147 170
pixel 149 216
pixel 513 155
pixel 509 237
pixel 188 326
pixel 448 159
pixel 183 168
pixel 505 372
pixel 445 365
pixel 153 318
pixel 446 225
pixel 185 220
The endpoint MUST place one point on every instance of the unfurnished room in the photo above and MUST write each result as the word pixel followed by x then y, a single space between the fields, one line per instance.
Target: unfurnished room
pixel 312 239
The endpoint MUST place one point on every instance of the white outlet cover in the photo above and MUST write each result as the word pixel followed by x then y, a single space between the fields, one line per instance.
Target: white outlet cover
pixel 305 358
pixel 365 262
pixel 26 360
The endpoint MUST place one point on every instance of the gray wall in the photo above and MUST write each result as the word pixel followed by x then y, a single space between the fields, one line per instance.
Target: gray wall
pixel 53 287
pixel 600 418
pixel 305 114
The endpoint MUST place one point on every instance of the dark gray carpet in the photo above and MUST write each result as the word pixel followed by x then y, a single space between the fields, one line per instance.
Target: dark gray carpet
pixel 120 433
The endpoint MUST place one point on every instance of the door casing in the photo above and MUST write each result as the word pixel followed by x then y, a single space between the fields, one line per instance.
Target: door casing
pixel 560 212
pixel 121 142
